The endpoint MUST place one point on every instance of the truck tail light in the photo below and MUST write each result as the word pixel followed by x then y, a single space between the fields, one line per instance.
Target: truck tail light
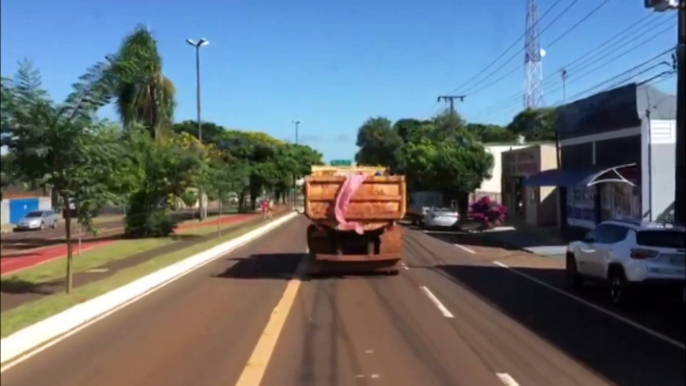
pixel 642 254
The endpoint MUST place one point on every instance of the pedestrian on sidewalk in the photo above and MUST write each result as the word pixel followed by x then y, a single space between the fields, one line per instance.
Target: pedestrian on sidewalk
pixel 264 207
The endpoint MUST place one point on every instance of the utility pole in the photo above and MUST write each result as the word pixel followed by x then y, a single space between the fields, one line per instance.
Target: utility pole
pixel 558 155
pixel 680 167
pixel 197 45
pixel 451 99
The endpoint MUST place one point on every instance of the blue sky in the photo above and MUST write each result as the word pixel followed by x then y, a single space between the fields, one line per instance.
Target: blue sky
pixel 329 64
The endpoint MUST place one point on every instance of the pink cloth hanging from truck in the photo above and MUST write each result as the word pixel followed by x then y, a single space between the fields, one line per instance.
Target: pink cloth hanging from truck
pixel 350 186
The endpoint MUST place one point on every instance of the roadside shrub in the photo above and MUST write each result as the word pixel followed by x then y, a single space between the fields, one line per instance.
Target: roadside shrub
pixel 189 198
pixel 148 217
pixel 487 212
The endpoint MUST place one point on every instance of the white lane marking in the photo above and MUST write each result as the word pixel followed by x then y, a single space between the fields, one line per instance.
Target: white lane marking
pixel 506 379
pixel 66 335
pixel 596 307
pixel 256 367
pixel 404 266
pixel 462 247
pixel 437 302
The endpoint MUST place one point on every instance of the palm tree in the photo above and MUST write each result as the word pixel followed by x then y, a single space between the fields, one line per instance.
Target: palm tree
pixel 143 93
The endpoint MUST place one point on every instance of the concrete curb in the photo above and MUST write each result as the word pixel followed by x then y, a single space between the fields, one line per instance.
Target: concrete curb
pixel 55 326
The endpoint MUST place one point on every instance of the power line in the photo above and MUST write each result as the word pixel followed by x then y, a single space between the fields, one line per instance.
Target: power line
pixel 556 40
pixel 638 26
pixel 642 64
pixel 504 52
pixel 578 23
pixel 516 54
pixel 627 72
pixel 607 62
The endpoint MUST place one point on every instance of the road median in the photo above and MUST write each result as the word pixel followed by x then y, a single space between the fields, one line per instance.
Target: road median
pixel 57 315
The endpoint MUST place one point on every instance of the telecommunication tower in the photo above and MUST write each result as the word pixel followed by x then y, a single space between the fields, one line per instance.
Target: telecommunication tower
pixel 533 93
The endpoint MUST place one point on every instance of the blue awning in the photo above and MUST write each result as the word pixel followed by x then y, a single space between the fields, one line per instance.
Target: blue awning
pixel 577 177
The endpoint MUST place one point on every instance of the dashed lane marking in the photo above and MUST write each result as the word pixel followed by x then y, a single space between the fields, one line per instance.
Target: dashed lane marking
pixel 462 247
pixel 437 303
pixel 506 379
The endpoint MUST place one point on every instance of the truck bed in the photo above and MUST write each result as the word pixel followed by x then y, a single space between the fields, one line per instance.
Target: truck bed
pixel 380 200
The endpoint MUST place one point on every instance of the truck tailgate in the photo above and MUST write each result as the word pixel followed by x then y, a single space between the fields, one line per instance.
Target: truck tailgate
pixel 380 198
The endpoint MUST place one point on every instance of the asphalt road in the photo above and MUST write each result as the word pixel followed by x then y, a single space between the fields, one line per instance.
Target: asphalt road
pixel 450 318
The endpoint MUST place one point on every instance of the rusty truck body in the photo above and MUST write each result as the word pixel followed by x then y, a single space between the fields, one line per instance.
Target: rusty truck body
pixel 376 206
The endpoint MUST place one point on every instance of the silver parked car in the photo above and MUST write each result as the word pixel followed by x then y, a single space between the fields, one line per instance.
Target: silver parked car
pixel 38 219
pixel 440 218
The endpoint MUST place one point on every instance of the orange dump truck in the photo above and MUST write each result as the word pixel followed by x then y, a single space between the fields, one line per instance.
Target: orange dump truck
pixel 354 229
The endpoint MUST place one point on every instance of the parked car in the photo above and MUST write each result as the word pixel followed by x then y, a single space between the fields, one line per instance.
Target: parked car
pixel 629 255
pixel 440 218
pixel 38 219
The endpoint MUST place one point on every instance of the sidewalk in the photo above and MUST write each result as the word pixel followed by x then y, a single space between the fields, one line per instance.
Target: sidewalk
pixel 542 241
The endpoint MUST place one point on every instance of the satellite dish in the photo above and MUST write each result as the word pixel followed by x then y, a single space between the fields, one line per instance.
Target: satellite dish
pixel 542 52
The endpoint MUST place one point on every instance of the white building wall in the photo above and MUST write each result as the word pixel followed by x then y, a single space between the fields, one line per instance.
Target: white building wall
pixel 5 212
pixel 44 203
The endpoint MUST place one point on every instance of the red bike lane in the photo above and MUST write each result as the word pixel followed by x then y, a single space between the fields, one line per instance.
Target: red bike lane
pixel 21 261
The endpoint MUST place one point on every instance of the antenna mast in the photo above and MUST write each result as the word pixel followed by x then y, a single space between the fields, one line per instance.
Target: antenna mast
pixel 533 92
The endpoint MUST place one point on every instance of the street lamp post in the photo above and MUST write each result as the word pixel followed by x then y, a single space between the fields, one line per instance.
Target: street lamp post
pixel 680 167
pixel 296 123
pixel 197 45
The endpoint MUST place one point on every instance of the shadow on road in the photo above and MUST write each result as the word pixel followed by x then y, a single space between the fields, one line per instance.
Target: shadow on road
pixel 620 352
pixel 281 266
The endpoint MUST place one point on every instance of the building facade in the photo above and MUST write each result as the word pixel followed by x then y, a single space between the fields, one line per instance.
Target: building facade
pixel 617 152
pixel 492 187
pixel 536 205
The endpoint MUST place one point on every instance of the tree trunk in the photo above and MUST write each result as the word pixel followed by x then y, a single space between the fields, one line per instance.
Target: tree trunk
pixel 462 206
pixel 219 219
pixel 67 225
pixel 241 202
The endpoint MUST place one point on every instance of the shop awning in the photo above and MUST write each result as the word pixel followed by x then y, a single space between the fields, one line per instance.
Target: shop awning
pixel 578 177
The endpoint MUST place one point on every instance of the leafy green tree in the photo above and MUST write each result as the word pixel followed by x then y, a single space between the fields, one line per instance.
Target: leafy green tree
pixel 379 144
pixel 491 133
pixel 63 145
pixel 448 126
pixel 211 132
pixel 535 124
pixel 167 168
pixel 272 165
pixel 143 93
pixel 410 129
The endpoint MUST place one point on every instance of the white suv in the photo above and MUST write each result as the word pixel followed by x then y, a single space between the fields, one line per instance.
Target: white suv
pixel 628 254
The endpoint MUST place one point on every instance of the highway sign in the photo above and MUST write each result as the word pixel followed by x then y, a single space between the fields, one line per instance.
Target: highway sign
pixel 341 162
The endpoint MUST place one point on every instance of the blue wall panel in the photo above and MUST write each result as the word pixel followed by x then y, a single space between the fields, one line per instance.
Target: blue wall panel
pixel 20 207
